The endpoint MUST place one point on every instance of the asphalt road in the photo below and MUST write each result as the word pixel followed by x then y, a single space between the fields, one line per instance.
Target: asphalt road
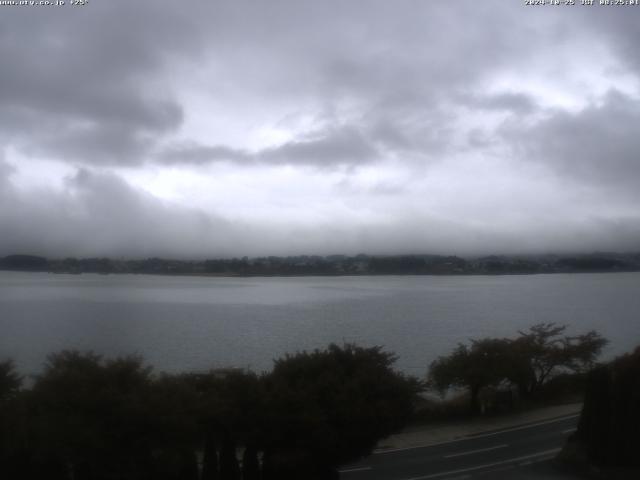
pixel 523 452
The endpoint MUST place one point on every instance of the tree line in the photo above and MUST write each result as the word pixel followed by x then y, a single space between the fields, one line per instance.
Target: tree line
pixel 86 417
pixel 332 265
pixel 90 418
pixel 527 362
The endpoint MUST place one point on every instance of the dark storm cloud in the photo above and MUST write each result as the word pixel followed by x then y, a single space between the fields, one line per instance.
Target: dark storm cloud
pixel 77 84
pixel 101 143
pixel 599 144
pixel 618 29
pixel 95 85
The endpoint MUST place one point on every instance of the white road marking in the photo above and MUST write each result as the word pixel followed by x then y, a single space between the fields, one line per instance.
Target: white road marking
pixel 357 469
pixel 500 469
pixel 488 465
pixel 568 430
pixel 472 437
pixel 471 452
pixel 513 429
pixel 540 459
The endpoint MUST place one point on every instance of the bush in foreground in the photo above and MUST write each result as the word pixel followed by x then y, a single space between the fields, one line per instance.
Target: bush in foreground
pixel 608 434
pixel 527 362
pixel 90 418
pixel 331 407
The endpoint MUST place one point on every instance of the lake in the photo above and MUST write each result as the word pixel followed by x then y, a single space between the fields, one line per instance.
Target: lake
pixel 197 323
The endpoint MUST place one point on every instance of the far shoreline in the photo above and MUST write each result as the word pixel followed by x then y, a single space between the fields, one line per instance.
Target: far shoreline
pixel 319 275
pixel 332 265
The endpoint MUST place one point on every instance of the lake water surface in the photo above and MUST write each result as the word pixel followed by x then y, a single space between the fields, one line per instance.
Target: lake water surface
pixel 195 323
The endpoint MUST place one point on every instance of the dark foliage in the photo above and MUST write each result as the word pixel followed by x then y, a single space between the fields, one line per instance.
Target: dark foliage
pixel 89 418
pixel 609 427
pixel 543 351
pixel 333 265
pixel 333 406
pixel 10 381
pixel 527 362
pixel 210 466
pixel 591 264
pixel 475 367
pixel 93 416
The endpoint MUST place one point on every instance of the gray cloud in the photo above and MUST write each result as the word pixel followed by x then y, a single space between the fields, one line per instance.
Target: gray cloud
pixel 127 89
pixel 337 146
pixel 325 148
pixel 599 144
pixel 101 214
pixel 5 185
pixel 192 153
pixel 618 29
pixel 79 85
pixel 516 103
pixel 94 86
pixel 98 213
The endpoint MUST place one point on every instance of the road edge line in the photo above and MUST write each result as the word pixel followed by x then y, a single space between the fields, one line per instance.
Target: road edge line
pixel 487 465
pixel 473 436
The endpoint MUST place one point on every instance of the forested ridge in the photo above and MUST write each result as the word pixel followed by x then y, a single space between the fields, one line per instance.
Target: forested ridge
pixel 334 265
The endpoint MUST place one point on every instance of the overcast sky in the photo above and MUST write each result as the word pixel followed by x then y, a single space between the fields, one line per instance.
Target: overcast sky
pixel 218 128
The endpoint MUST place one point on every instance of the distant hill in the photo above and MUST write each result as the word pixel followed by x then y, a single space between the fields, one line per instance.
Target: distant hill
pixel 335 265
pixel 29 263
